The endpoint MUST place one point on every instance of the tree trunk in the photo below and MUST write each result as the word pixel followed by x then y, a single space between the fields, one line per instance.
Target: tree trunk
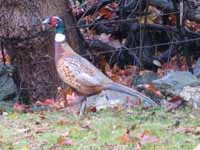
pixel 31 49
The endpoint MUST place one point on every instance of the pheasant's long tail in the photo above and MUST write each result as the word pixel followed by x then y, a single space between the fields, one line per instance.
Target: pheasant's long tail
pixel 130 91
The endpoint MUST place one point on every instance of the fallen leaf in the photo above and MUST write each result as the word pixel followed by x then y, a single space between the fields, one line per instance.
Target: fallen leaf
pixel 5 58
pixel 172 19
pixel 72 98
pixel 30 137
pixel 86 127
pixel 49 102
pixel 106 12
pixel 175 99
pixel 17 107
pixel 92 109
pixel 192 130
pixel 42 115
pixel 152 88
pixel 122 76
pixel 126 138
pixel 146 138
pixel 38 103
pixel 153 18
pixel 174 103
pixel 40 130
pixel 46 102
pixel 65 141
pixel 63 122
pixel 133 102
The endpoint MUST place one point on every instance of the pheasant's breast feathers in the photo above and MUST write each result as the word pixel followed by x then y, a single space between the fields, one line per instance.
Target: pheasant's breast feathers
pixel 79 73
pixel 65 73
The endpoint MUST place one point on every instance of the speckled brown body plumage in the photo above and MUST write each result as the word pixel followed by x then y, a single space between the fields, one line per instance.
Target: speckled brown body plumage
pixel 78 72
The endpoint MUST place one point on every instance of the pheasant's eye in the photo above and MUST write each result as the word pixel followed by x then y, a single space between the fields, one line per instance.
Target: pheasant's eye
pixel 53 22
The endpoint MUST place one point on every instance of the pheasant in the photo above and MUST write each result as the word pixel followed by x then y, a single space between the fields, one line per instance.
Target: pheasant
pixel 78 73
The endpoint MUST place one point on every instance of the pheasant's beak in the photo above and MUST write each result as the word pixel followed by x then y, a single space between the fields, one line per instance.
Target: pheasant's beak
pixel 46 21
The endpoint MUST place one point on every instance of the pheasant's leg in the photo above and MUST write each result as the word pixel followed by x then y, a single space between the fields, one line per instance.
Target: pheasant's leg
pixel 106 96
pixel 83 104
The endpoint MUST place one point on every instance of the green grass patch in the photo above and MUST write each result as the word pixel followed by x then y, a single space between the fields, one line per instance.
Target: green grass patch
pixel 99 131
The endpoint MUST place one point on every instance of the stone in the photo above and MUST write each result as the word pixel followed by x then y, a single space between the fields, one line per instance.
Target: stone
pixel 110 99
pixel 147 77
pixel 180 83
pixel 105 99
pixel 174 82
pixel 197 68
pixel 8 88
pixel 192 93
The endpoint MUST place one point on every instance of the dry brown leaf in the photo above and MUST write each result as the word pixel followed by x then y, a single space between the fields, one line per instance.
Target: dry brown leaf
pixel 62 140
pixel 106 12
pixel 17 107
pixel 147 137
pixel 152 88
pixel 153 18
pixel 193 25
pixel 91 109
pixel 192 130
pixel 126 138
pixel 42 116
pixel 172 19
pixel 174 103
pixel 122 76
pixel 6 57
pixel 64 122
pixel 40 130
pixel 46 102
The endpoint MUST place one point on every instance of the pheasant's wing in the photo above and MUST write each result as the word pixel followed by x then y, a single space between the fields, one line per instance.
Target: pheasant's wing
pixel 85 72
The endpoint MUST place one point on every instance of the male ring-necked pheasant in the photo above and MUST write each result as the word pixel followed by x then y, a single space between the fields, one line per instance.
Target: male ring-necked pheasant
pixel 78 72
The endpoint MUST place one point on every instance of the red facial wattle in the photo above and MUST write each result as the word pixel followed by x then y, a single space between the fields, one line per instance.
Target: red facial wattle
pixel 53 22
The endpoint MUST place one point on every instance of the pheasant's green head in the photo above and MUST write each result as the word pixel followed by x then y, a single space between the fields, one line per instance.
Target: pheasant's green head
pixel 55 22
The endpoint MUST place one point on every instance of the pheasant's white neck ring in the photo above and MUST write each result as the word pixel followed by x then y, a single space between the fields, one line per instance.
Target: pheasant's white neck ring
pixel 59 37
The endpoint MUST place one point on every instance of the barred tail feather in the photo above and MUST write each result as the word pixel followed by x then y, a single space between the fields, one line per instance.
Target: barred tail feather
pixel 130 91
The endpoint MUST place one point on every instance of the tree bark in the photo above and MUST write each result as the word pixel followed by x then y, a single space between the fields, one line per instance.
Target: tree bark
pixel 30 48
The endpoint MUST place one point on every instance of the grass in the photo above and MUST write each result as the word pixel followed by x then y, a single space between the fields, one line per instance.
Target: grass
pixel 99 131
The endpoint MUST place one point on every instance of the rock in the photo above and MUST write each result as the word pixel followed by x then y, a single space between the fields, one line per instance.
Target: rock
pixel 174 81
pixel 197 68
pixel 109 98
pixel 191 93
pixel 105 99
pixel 8 88
pixel 147 77
pixel 180 83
